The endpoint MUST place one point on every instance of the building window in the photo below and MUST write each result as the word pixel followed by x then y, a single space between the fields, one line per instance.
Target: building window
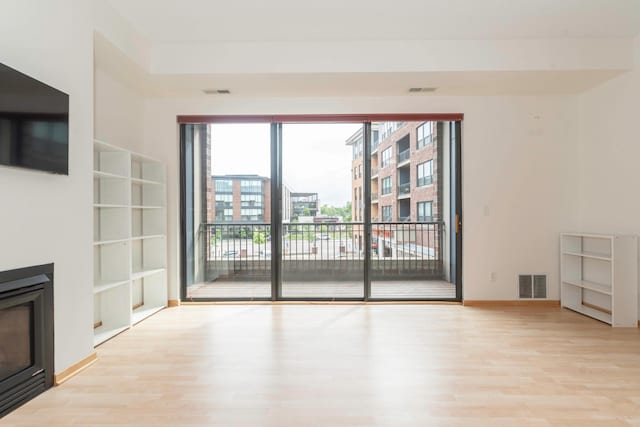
pixel 357 150
pixel 355 205
pixel 388 128
pixel 425 136
pixel 386 213
pixel 251 201
pixel 224 186
pixel 251 215
pixel 224 215
pixel 224 201
pixel 251 186
pixel 386 185
pixel 425 173
pixel 425 211
pixel 387 157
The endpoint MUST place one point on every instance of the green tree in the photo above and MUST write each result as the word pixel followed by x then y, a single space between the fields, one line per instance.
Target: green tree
pixel 344 211
pixel 259 238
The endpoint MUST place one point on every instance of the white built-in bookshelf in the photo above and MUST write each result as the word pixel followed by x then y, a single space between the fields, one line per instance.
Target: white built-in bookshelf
pixel 599 276
pixel 129 235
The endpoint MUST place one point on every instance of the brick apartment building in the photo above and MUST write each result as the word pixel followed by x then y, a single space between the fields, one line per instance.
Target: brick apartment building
pixel 247 198
pixel 404 172
pixel 240 198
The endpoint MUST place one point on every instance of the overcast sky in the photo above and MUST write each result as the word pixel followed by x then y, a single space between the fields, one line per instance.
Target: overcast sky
pixel 314 156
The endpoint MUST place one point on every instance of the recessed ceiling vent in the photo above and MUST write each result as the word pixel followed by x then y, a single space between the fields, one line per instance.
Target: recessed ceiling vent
pixel 422 89
pixel 217 91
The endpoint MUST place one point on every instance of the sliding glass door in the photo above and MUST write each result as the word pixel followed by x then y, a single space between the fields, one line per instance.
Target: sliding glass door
pixel 350 211
pixel 322 226
pixel 410 217
pixel 229 214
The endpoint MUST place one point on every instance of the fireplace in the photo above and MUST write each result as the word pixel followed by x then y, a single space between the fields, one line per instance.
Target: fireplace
pixel 26 334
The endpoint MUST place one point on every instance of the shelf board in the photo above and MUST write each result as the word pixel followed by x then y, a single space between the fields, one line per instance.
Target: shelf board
pixel 140 274
pixel 151 236
pixel 108 175
pixel 109 206
pixel 144 158
pixel 109 242
pixel 588 311
pixel 106 285
pixel 592 255
pixel 143 312
pixel 103 146
pixel 146 207
pixel 592 286
pixel 145 181
pixel 590 236
pixel 100 334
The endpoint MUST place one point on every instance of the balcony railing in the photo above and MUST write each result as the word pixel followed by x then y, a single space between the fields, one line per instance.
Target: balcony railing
pixel 374 146
pixel 374 196
pixel 374 172
pixel 404 188
pixel 406 250
pixel 403 156
pixel 242 251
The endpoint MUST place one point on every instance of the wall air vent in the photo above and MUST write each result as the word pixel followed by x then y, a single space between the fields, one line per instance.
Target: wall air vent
pixel 422 89
pixel 217 91
pixel 532 286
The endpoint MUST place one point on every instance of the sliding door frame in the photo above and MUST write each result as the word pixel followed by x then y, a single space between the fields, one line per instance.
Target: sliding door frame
pixel 276 122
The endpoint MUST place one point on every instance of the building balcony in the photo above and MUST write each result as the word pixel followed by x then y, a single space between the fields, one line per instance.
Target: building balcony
pixel 404 189
pixel 404 157
pixel 374 197
pixel 374 173
pixel 374 147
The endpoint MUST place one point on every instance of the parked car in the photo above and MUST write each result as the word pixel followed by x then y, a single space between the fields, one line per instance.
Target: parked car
pixel 230 254
pixel 323 236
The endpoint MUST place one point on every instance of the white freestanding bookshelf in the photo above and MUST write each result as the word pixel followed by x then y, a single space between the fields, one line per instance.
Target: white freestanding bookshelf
pixel 129 234
pixel 599 276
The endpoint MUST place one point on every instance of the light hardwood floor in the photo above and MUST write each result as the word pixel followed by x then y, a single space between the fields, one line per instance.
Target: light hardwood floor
pixel 354 365
pixel 424 289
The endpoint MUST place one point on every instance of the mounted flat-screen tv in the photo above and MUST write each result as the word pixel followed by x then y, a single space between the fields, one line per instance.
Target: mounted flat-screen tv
pixel 34 123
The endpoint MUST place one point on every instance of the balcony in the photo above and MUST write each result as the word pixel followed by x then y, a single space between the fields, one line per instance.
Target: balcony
pixel 404 157
pixel 406 258
pixel 244 247
pixel 374 173
pixel 374 197
pixel 404 189
pixel 374 147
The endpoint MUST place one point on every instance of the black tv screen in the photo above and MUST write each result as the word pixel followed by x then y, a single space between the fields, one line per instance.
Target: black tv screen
pixel 34 123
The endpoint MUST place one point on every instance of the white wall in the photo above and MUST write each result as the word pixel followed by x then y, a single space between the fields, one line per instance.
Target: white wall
pixel 609 144
pixel 516 176
pixel 48 218
pixel 119 111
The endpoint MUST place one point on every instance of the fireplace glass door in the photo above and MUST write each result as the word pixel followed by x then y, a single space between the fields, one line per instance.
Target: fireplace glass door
pixel 16 325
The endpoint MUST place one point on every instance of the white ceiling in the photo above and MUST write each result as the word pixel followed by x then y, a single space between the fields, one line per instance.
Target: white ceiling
pixel 380 84
pixel 300 20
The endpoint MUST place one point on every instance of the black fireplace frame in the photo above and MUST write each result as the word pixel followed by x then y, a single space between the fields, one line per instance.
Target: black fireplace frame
pixel 30 285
